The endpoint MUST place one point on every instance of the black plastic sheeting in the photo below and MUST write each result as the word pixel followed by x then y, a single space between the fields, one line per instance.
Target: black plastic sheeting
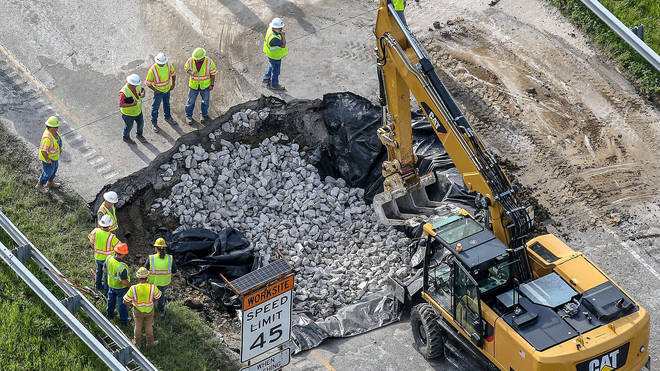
pixel 211 254
pixel 355 154
pixel 373 311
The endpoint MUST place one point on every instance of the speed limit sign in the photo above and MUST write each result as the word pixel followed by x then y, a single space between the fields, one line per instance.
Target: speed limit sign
pixel 266 318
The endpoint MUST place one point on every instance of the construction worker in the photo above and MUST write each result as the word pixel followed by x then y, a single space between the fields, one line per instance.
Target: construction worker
pixel 202 73
pixel 130 105
pixel 141 297
pixel 275 49
pixel 161 80
pixel 108 208
pixel 50 149
pixel 118 282
pixel 103 243
pixel 399 6
pixel 161 266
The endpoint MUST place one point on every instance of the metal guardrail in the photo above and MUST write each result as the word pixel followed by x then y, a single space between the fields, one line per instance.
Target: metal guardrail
pixel 626 34
pixel 126 352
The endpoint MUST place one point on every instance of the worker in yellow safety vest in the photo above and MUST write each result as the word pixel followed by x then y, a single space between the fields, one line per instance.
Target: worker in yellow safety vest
pixel 50 149
pixel 161 266
pixel 108 208
pixel 141 297
pixel 130 105
pixel 275 49
pixel 103 243
pixel 202 71
pixel 399 7
pixel 118 282
pixel 161 80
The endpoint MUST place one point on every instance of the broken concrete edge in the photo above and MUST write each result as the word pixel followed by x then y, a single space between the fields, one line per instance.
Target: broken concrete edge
pixel 283 117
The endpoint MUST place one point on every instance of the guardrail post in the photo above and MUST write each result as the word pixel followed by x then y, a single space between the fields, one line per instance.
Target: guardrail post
pixel 72 303
pixel 124 355
pixel 22 253
pixel 639 31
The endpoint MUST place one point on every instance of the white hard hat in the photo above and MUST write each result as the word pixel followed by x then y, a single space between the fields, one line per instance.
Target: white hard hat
pixel 277 23
pixel 111 197
pixel 161 58
pixel 133 79
pixel 106 221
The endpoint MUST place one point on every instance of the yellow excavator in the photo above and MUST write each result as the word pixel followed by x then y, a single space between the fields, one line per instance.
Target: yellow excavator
pixel 487 291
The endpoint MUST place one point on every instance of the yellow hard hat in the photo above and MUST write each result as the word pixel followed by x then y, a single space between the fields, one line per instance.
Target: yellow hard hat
pixel 160 242
pixel 199 53
pixel 142 273
pixel 53 122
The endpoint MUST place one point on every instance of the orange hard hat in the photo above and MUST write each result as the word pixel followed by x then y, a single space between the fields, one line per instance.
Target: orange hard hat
pixel 121 248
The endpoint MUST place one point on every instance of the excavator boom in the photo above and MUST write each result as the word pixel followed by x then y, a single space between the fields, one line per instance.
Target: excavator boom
pixel 404 67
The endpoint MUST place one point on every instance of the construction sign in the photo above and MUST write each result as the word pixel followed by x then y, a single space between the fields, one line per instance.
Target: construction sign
pixel 266 318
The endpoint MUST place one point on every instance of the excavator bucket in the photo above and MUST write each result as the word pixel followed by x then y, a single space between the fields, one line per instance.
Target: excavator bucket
pixel 410 206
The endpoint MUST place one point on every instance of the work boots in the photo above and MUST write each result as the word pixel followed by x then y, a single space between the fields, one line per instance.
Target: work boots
pixel 41 187
pixel 53 184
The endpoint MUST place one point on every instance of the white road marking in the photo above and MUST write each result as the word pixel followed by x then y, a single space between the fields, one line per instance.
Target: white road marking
pixel 195 22
pixel 632 252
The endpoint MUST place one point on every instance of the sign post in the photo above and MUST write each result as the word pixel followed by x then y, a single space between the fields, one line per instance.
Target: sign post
pixel 266 298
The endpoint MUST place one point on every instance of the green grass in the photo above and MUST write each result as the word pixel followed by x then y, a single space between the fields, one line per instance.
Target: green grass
pixel 32 337
pixel 631 13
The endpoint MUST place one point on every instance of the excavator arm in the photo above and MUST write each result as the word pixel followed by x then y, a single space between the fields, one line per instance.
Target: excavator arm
pixel 404 67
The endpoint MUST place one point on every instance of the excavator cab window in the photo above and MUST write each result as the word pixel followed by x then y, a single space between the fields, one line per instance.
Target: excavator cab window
pixel 496 274
pixel 439 279
pixel 459 228
pixel 467 302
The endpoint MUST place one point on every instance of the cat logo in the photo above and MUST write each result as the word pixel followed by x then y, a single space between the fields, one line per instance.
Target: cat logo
pixel 613 360
pixel 607 362
pixel 433 119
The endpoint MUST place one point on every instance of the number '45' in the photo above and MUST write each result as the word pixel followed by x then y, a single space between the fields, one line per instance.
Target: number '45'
pixel 275 332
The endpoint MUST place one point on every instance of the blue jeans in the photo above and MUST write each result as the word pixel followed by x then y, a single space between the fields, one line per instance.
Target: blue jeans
pixel 101 278
pixel 160 97
pixel 116 296
pixel 128 124
pixel 161 301
pixel 192 97
pixel 49 171
pixel 273 72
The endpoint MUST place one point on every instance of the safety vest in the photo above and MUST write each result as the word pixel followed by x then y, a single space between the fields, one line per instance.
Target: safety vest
pixel 274 52
pixel 132 110
pixel 115 267
pixel 200 79
pixel 160 77
pixel 161 270
pixel 50 145
pixel 142 296
pixel 113 215
pixel 104 243
pixel 399 4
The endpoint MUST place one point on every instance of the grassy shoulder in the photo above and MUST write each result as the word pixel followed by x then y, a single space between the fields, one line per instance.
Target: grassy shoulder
pixel 631 13
pixel 33 337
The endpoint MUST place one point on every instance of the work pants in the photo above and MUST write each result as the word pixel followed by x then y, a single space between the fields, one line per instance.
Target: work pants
pixel 148 320
pixel 160 97
pixel 192 98
pixel 273 72
pixel 101 278
pixel 116 297
pixel 161 301
pixel 128 124
pixel 49 171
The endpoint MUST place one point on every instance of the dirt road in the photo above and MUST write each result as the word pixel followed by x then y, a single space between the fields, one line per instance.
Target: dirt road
pixel 573 129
